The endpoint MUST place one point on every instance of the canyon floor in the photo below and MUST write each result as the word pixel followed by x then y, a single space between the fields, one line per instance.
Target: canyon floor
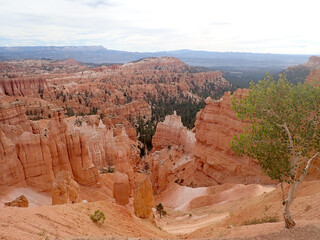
pixel 218 212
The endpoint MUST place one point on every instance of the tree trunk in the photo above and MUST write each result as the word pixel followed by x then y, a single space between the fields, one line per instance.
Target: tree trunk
pixel 289 223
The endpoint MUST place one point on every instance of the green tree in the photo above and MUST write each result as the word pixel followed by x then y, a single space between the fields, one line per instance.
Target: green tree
pixel 284 132
pixel 160 210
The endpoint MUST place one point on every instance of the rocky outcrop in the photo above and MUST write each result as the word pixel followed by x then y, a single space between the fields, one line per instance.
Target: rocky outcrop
pixel 143 200
pixel 13 114
pixel 64 189
pixel 172 157
pixel 172 132
pixel 156 63
pixel 121 188
pixel 21 201
pixel 22 86
pixel 34 152
pixel 134 110
pixel 215 126
pixel 13 123
pixel 314 62
pixel 205 159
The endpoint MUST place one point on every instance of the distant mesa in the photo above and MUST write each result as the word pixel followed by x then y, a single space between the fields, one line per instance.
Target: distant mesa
pixel 99 54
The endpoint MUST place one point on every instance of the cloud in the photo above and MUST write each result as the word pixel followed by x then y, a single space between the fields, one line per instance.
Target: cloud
pixel 220 23
pixel 95 3
pixel 144 25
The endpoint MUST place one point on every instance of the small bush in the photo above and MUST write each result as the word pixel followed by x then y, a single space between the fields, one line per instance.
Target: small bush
pixel 265 219
pixel 107 170
pixel 98 217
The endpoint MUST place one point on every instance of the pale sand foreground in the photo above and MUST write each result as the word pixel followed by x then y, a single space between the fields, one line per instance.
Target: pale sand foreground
pixel 208 213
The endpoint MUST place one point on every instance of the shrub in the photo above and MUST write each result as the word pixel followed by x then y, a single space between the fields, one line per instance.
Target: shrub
pixel 107 170
pixel 98 217
pixel 265 219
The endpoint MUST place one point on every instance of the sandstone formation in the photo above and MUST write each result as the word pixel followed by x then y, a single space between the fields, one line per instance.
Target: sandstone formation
pixel 34 152
pixel 143 200
pixel 66 116
pixel 64 189
pixel 121 188
pixel 314 62
pixel 311 68
pixel 156 63
pixel 172 157
pixel 172 132
pixel 203 159
pixel 22 86
pixel 21 201
pixel 314 65
pixel 216 124
pixel 115 90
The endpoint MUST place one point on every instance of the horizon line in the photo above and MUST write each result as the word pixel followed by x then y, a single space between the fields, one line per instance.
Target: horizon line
pixel 176 50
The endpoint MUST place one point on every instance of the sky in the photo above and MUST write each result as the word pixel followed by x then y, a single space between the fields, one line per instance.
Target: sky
pixel 264 26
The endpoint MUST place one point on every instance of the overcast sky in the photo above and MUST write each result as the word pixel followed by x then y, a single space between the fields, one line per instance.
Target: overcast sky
pixel 274 26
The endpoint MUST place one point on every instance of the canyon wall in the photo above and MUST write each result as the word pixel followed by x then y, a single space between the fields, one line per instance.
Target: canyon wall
pixel 314 65
pixel 34 152
pixel 215 126
pixel 23 86
pixel 172 157
pixel 203 159
pixel 172 132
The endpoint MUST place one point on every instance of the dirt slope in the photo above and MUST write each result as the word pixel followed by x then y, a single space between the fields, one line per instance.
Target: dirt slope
pixel 68 221
pixel 305 211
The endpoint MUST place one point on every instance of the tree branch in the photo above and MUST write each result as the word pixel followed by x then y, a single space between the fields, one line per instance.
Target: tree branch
pixel 305 171
pixel 289 137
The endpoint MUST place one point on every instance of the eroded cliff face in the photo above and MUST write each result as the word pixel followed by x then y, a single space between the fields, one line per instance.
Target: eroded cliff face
pixel 172 157
pixel 125 90
pixel 314 65
pixel 33 152
pixel 172 132
pixel 155 63
pixel 215 126
pixel 204 158
pixel 23 86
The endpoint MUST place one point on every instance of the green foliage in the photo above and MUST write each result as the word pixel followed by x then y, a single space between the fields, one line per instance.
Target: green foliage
pixel 145 131
pixel 185 107
pixel 160 210
pixel 102 116
pixel 284 130
pixel 107 170
pixel 41 91
pixel 265 219
pixel 209 89
pixel 98 217
pixel 70 111
pixel 36 118
pixel 93 111
pixel 78 122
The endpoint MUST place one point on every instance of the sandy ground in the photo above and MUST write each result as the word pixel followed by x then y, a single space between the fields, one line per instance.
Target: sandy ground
pixel 217 212
pixel 178 197
pixel 190 209
pixel 69 221
pixel 35 198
